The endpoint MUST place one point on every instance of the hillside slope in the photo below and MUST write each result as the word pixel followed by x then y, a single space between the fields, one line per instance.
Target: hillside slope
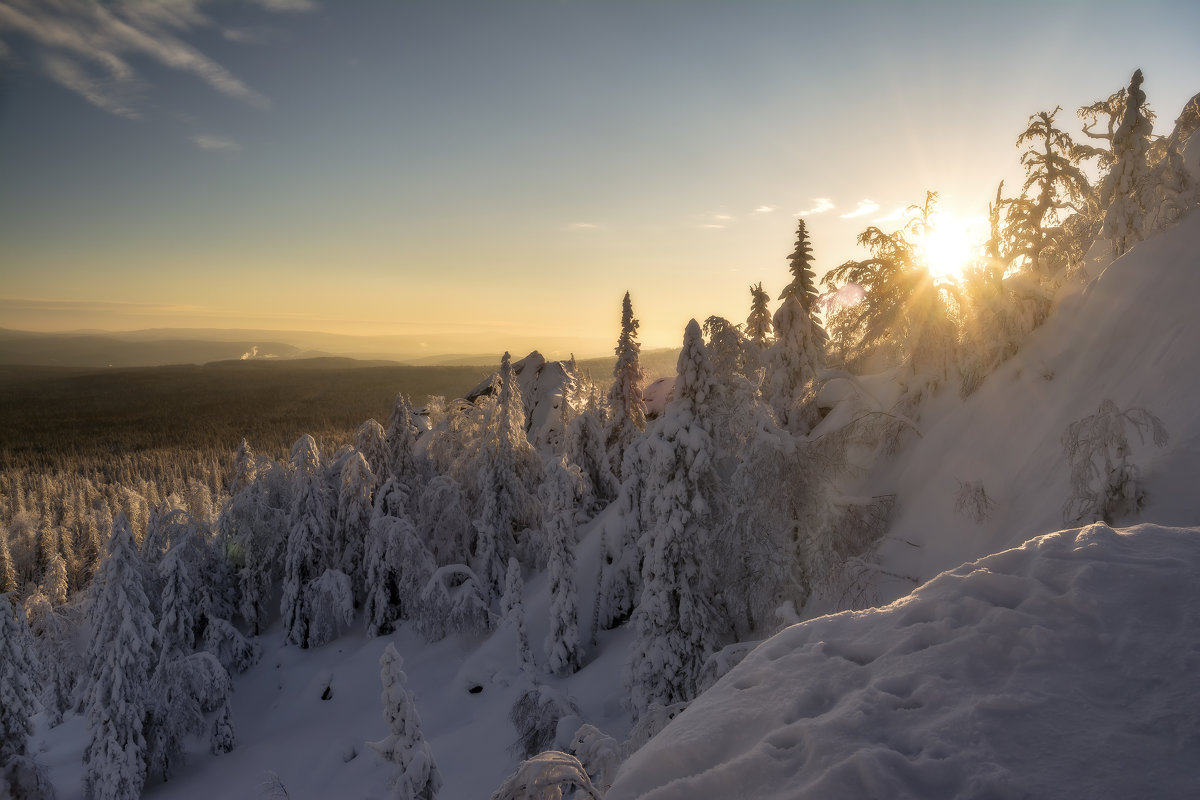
pixel 1132 336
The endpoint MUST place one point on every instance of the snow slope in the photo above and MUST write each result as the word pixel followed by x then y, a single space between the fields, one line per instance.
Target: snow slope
pixel 1132 335
pixel 1067 667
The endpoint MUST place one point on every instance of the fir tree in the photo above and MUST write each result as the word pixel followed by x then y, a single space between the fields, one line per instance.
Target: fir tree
pixel 626 410
pixel 509 468
pixel 307 521
pixel 354 513
pixel 793 363
pixel 758 324
pixel 585 448
pixel 803 284
pixel 558 493
pixel 400 438
pixel 397 568
pixel 416 776
pixel 676 624
pixel 371 440
pixel 1125 190
pixel 512 612
pixel 120 655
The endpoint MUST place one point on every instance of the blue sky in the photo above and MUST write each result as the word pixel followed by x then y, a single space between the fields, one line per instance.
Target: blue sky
pixel 506 170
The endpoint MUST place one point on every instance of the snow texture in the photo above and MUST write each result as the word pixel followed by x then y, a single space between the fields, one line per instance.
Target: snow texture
pixel 1068 665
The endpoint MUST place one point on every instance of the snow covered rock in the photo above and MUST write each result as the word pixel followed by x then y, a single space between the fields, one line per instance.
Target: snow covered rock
pixel 1069 666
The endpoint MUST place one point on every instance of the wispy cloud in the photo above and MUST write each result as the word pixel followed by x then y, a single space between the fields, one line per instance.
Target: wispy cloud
pixel 713 226
pixel 864 207
pixel 583 226
pixel 722 217
pixel 209 141
pixel 891 216
pixel 821 205
pixel 764 209
pixel 87 46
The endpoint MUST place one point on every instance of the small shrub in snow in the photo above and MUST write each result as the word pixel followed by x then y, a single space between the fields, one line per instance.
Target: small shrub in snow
pixel 972 501
pixel 599 754
pixel 543 778
pixel 535 715
pixel 1104 484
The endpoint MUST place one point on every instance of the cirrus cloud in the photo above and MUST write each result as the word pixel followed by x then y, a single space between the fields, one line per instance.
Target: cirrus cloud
pixel 864 207
pixel 87 46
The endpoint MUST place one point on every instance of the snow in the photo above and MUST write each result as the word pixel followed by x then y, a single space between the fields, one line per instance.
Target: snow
pixel 1069 666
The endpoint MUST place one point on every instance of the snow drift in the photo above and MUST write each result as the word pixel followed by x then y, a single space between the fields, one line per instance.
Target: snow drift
pixel 1069 666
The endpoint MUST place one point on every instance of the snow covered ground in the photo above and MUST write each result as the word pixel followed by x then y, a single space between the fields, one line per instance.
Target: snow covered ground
pixel 1067 667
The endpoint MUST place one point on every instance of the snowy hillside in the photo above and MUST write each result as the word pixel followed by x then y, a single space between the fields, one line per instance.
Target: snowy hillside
pixel 1131 336
pixel 1067 667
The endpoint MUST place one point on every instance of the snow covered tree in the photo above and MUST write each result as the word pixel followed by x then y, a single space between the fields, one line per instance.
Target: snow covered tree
pixel 21 777
pixel 8 570
pixel 453 602
pixel 512 613
pixel 626 410
pixel 331 600
pixel 371 440
pixel 223 738
pixel 354 513
pixel 758 324
pixel 1104 484
pixel 245 468
pixel 54 640
pixel 1058 185
pixel 1125 191
pixel 183 688
pixel 585 448
pixel 558 493
pixel 416 776
pixel 401 438
pixel 253 524
pixel 793 363
pixel 803 285
pixel 676 623
pixel 18 703
pixel 120 655
pixel 308 517
pixel 1176 189
pixel 509 468
pixel 443 521
pixel 398 567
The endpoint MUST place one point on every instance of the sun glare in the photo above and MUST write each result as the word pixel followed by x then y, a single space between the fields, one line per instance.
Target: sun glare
pixel 947 249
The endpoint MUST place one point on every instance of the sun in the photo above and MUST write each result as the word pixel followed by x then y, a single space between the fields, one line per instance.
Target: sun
pixel 946 248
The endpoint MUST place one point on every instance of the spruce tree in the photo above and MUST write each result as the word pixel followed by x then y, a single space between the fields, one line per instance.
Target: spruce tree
pixel 354 511
pixel 308 518
pixel 1125 191
pixel 371 440
pixel 512 612
pixel 626 409
pixel 758 324
pixel 558 493
pixel 120 655
pixel 792 364
pixel 676 623
pixel 804 280
pixel 400 438
pixel 416 776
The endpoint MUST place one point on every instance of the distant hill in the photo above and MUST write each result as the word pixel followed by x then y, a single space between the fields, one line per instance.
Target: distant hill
pixel 92 350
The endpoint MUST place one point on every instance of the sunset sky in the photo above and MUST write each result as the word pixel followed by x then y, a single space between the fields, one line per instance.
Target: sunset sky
pixel 495 174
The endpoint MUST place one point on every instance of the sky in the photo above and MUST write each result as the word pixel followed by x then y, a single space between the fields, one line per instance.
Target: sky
pixel 485 175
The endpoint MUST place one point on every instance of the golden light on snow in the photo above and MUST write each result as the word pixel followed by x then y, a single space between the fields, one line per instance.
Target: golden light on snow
pixel 947 248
